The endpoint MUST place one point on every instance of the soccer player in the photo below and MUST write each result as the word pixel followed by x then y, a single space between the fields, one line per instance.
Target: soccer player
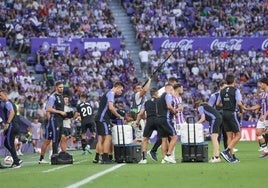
pixel 262 123
pixel 138 99
pixel 212 102
pixel 55 106
pixel 157 144
pixel 177 98
pixel 208 113
pixel 177 103
pixel 232 108
pixel 66 129
pixel 47 142
pixel 85 112
pixel 139 96
pixel 166 112
pixel 102 119
pixel 11 127
pixel 149 108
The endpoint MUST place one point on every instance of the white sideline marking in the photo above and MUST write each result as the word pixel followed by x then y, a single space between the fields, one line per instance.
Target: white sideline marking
pixel 95 176
pixel 54 169
pixel 60 167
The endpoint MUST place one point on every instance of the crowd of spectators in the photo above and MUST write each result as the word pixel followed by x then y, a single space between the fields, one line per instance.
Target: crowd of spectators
pixel 94 71
pixel 200 71
pixel 196 18
pixel 200 74
pixel 21 20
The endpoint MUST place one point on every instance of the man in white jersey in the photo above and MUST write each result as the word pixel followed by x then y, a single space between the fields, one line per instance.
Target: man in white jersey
pixel 262 124
pixel 177 99
pixel 66 130
pixel 138 100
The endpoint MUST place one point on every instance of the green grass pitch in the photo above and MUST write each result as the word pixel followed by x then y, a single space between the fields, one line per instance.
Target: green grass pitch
pixel 250 172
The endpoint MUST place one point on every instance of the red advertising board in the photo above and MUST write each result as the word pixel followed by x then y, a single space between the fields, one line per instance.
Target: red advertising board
pixel 248 134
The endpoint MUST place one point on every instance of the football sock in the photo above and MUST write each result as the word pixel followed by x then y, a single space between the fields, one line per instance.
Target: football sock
pixel 156 145
pixel 84 144
pixel 55 146
pixel 263 145
pixel 41 157
pixel 97 156
pixel 110 157
pixel 143 155
pixel 173 152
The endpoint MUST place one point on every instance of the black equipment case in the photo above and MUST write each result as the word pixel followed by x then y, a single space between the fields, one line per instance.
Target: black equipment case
pixel 194 152
pixel 61 158
pixel 129 153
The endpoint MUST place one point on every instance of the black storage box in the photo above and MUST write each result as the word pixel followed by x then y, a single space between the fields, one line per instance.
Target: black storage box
pixel 195 152
pixel 129 153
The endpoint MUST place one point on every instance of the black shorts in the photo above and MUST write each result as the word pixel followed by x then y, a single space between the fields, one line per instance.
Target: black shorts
pixel 65 131
pixel 165 127
pixel 90 125
pixel 52 130
pixel 150 126
pixel 215 126
pixel 231 121
pixel 103 128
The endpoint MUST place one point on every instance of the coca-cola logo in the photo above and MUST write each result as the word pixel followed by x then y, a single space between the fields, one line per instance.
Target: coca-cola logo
pixel 231 44
pixel 184 44
pixel 264 45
